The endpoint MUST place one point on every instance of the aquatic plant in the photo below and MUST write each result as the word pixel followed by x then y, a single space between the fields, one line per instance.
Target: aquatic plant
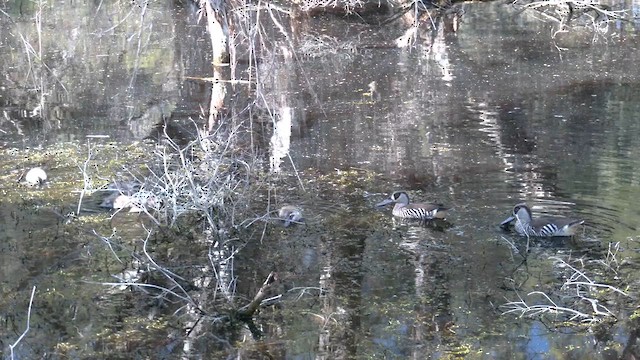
pixel 569 15
pixel 579 299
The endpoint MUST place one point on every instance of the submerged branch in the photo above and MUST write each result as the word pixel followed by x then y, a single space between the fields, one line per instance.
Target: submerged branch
pixel 574 290
pixel 26 330
pixel 248 310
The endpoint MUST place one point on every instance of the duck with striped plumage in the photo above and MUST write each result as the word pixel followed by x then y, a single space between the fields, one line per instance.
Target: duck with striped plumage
pixel 407 210
pixel 290 214
pixel 543 226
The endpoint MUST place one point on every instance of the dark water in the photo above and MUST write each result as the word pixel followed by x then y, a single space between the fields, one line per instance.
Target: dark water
pixel 500 116
pixel 495 114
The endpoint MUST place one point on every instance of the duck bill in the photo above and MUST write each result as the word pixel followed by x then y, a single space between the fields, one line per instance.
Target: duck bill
pixel 507 221
pixel 288 222
pixel 384 203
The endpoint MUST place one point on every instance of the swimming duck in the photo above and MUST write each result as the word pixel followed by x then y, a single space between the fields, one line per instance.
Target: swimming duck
pixel 128 194
pixel 543 226
pixel 290 215
pixel 406 210
pixel 35 176
pixel 137 202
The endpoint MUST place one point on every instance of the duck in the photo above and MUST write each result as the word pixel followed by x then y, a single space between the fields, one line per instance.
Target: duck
pixel 128 194
pixel 35 177
pixel 116 201
pixel 138 202
pixel 543 226
pixel 406 210
pixel 290 214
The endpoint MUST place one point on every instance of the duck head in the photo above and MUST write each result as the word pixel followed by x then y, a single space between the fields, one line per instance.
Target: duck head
pixel 290 215
pixel 521 212
pixel 398 197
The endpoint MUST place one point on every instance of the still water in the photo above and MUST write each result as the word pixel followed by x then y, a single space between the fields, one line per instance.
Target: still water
pixel 497 113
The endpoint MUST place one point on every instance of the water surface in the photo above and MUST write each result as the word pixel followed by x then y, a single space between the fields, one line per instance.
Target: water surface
pixel 497 113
